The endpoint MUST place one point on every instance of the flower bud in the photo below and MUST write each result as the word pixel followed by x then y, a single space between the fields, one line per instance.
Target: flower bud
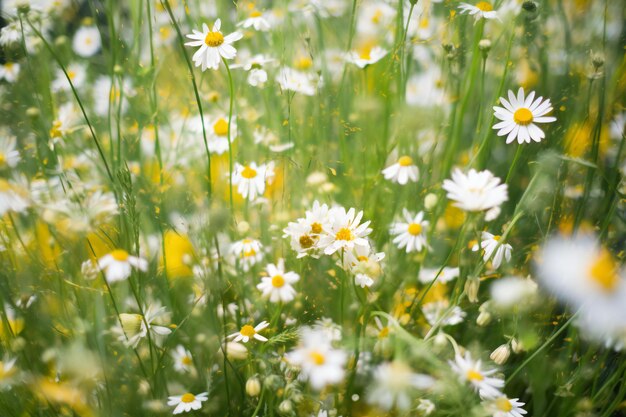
pixel 483 319
pixel 33 112
pixel 484 45
pixel 472 285
pixel 243 227
pixel 501 354
pixel 235 350
pixel 430 201
pixel 285 407
pixel 253 387
pixel 517 346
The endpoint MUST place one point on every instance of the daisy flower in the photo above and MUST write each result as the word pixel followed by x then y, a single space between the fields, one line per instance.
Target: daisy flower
pixel 298 81
pixel 213 46
pixel 118 265
pixel 438 313
pixel 12 198
pixel 475 191
pixel 447 274
pixel 402 171
pixel 183 361
pixel 470 371
pixel 366 56
pixel 519 116
pixel 218 134
pixel 277 286
pixel 86 41
pixel 393 385
pixel 248 332
pixel 344 231
pixel 502 406
pixel 257 21
pixel 250 179
pixel 320 364
pixel 248 251
pixel 135 327
pixel 482 10
pixel 9 155
pixel 365 264
pixel 9 71
pixel 412 233
pixel 187 402
pixel 494 249
pixel 77 74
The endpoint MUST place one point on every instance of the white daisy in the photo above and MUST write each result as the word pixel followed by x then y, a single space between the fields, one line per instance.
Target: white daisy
pixel 393 385
pixel 470 371
pixel 438 313
pixel 248 332
pixel 298 81
pixel 12 198
pixel 187 402
pixel 77 74
pixel 475 191
pixel 87 41
pixel 218 134
pixel 447 274
pixel 117 265
pixel 248 251
pixel 133 326
pixel 344 231
pixel 319 362
pixel 494 249
pixel 9 71
pixel 366 56
pixel 513 292
pixel 402 171
pixel 519 116
pixel 364 263
pixel 9 155
pixel 482 9
pixel 257 21
pixel 412 233
pixel 277 286
pixel 183 361
pixel 250 179
pixel 502 406
pixel 213 46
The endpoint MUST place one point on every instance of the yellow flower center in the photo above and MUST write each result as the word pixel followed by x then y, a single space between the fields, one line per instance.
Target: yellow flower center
pixel 474 375
pixel 303 62
pixel 221 127
pixel 497 238
pixel 3 159
pixel 249 253
pixel 256 13
pixel 71 74
pixel 248 172
pixel 384 332
pixel 120 255
pixel 405 161
pixel 362 258
pixel 484 6
pixel 365 53
pixel 247 331
pixel 503 404
pixel 188 398
pixel 377 16
pixel 4 186
pixel 316 228
pixel 604 271
pixel 306 241
pixel 317 358
pixel 344 234
pixel 278 281
pixel 55 132
pixel 415 229
pixel 186 360
pixel 214 39
pixel 523 116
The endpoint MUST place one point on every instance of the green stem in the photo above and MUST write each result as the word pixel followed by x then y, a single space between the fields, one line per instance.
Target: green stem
pixel 231 89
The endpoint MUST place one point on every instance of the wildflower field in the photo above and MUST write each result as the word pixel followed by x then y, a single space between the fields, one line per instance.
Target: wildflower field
pixel 312 208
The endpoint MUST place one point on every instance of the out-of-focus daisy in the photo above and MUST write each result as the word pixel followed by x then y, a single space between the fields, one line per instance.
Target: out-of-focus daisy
pixel 509 292
pixel 118 265
pixel 494 249
pixel 213 46
pixel 402 171
pixel 393 385
pixel 183 361
pixel 447 274
pixel 502 406
pixel 298 81
pixel 365 264
pixel 471 371
pixel 135 326
pixel 218 135
pixel 12 198
pixel 250 179
pixel 257 21
pixel 9 155
pixel 519 116
pixel 305 232
pixel 475 191
pixel 439 313
pixel 482 10
pixel 65 123
pixel 248 332
pixel 248 251
pixel 320 364
pixel 277 286
pixel 12 33
pixel 77 74
pixel 366 56
pixel 187 402
pixel 344 231
pixel 9 71
pixel 375 18
pixel 410 234
pixel 87 41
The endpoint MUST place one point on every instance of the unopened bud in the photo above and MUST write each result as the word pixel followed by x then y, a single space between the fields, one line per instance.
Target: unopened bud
pixel 430 201
pixel 253 387
pixel 501 354
pixel 285 407
pixel 472 285
pixel 517 346
pixel 484 45
pixel 483 319
pixel 597 60
pixel 33 112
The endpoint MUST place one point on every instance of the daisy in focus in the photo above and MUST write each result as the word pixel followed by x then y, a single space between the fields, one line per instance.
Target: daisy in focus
pixel 213 46
pixel 471 371
pixel 277 286
pixel 118 265
pixel 482 10
pixel 247 332
pixel 345 231
pixel 250 179
pixel 187 402
pixel 410 234
pixel 402 171
pixel 494 249
pixel 502 406
pixel 476 191
pixel 520 115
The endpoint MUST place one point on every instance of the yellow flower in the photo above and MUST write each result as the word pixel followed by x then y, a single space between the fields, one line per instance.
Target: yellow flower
pixel 179 255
